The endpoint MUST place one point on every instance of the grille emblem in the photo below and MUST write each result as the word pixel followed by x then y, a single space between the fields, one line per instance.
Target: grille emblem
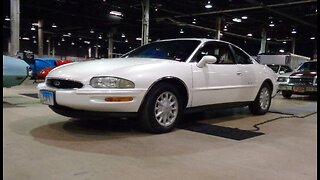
pixel 56 83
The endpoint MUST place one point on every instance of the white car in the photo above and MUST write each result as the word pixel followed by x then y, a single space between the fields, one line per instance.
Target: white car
pixel 159 81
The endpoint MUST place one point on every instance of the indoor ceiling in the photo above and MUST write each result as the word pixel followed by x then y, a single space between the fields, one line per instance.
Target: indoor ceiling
pixel 167 19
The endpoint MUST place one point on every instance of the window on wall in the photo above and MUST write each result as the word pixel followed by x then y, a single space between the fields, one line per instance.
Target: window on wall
pixel 220 50
pixel 241 57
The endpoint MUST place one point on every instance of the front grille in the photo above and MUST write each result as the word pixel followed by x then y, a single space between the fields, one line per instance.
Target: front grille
pixel 301 81
pixel 63 84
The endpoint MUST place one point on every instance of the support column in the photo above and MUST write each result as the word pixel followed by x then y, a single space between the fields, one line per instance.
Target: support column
pixel 89 52
pixel 145 22
pixel 40 38
pixel 293 45
pixel 49 48
pixel 110 45
pixel 96 53
pixel 218 27
pixel 263 41
pixel 15 27
pixel 53 49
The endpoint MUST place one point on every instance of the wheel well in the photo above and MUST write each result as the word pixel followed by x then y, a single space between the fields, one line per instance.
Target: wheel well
pixel 269 83
pixel 175 82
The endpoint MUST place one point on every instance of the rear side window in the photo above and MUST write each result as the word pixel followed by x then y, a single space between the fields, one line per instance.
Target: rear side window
pixel 241 57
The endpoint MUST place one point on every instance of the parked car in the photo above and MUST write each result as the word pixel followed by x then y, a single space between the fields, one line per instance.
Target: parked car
pixel 15 71
pixel 280 69
pixel 44 72
pixel 159 81
pixel 301 81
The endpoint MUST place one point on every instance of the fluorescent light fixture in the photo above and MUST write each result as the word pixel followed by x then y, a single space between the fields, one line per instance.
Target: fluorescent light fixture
pixel 66 35
pixel 271 24
pixel 208 5
pixel 126 40
pixel 98 45
pixel 268 39
pixel 122 35
pixel 59 44
pixel 26 38
pixel 33 37
pixel 244 17
pixel 284 42
pixel 236 20
pixel 7 18
pixel 249 34
pixel 138 38
pixel 33 28
pixel 100 37
pixel 62 39
pixel 87 42
pixel 116 13
pixel 312 38
pixel 194 21
pixel 72 43
pixel 293 31
pixel 80 38
pixel 34 41
pixel 35 24
pixel 69 34
pixel 91 31
pixel 281 50
pixel 181 31
pixel 54 25
pixel 155 9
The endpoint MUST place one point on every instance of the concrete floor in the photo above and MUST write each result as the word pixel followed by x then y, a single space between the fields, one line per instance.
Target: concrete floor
pixel 39 144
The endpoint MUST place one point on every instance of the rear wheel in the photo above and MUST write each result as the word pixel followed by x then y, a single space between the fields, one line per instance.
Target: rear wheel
pixel 286 94
pixel 262 102
pixel 162 109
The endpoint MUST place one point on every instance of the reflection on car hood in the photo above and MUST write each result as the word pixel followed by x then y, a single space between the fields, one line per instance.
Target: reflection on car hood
pixel 110 67
pixel 310 74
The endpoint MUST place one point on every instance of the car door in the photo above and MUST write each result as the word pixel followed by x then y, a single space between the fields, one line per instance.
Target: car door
pixel 246 74
pixel 215 83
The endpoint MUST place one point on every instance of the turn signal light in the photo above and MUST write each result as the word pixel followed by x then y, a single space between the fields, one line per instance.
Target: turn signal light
pixel 118 99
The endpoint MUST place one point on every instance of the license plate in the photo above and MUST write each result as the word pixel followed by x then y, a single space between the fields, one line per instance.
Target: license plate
pixel 298 89
pixel 46 97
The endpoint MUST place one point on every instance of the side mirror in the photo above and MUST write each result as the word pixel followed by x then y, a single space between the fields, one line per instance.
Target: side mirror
pixel 207 59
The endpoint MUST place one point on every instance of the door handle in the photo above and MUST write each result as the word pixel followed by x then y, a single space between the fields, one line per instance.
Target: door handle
pixel 239 73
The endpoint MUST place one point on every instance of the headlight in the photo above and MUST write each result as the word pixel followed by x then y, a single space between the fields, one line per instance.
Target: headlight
pixel 110 82
pixel 283 79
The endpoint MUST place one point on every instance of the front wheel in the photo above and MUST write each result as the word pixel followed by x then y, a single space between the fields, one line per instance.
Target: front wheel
pixel 262 102
pixel 161 109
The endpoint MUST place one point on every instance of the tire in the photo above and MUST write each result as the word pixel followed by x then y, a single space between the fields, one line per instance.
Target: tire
pixel 162 109
pixel 286 94
pixel 262 102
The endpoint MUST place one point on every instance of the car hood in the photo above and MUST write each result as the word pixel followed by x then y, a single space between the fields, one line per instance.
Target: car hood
pixel 309 74
pixel 84 71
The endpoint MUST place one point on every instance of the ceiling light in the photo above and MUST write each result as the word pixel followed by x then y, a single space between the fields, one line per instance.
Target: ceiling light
pixel 281 50
pixel 249 34
pixel 33 37
pixel 59 44
pixel 91 31
pixel 138 38
pixel 33 28
pixel 47 40
pixel 62 39
pixel 34 41
pixel 26 38
pixel 126 40
pixel 87 42
pixel 194 21
pixel 98 45
pixel 208 6
pixel 54 25
pixel 271 24
pixel 244 17
pixel 122 35
pixel 116 13
pixel 225 29
pixel 236 20
pixel 100 37
pixel 268 39
pixel 72 43
pixel 69 34
pixel 66 35
pixel 181 31
pixel 284 42
pixel 155 9
pixel 293 31
pixel 80 38
pixel 7 18
pixel 312 38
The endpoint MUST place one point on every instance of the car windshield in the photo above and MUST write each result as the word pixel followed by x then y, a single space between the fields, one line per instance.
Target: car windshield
pixel 177 50
pixel 274 67
pixel 308 66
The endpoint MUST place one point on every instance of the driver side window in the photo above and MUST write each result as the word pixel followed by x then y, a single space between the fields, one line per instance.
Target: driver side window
pixel 220 50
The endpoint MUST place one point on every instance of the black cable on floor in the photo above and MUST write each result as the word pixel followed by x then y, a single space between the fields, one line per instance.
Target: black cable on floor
pixel 281 117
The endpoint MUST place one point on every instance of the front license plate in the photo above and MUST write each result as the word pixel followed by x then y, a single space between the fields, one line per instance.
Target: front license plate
pixel 46 97
pixel 300 89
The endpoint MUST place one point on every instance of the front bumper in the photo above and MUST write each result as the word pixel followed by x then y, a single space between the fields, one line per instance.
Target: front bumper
pixel 93 99
pixel 298 89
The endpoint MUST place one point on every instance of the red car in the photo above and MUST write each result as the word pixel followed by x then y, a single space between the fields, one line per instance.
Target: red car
pixel 44 72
